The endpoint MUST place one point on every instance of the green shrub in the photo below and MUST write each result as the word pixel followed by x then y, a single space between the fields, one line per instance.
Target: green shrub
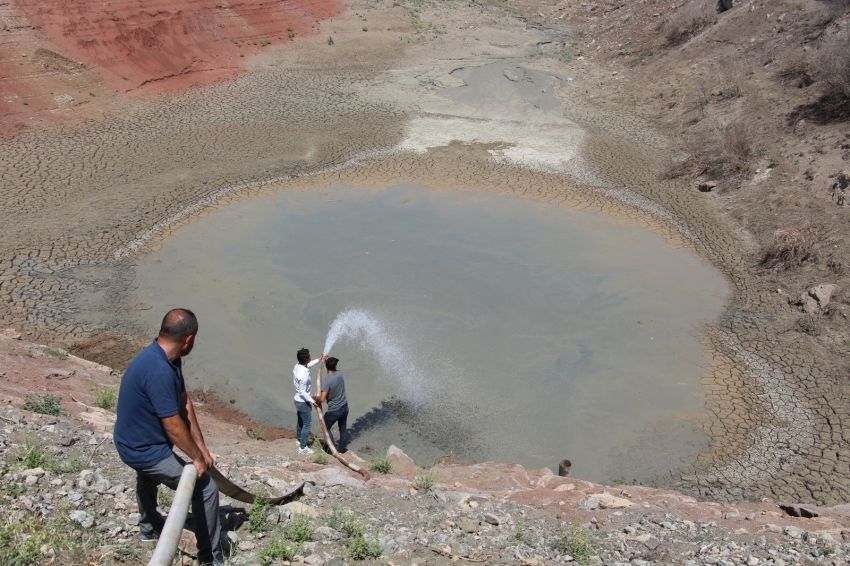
pixel 319 457
pixel 35 455
pixel 258 516
pixel 347 522
pixel 58 354
pixel 106 398
pixel 381 464
pixel 265 42
pixel 299 529
pixel 330 40
pixel 426 479
pixel 257 432
pixel 576 542
pixel 365 28
pixel 277 549
pixel 362 547
pixel 46 404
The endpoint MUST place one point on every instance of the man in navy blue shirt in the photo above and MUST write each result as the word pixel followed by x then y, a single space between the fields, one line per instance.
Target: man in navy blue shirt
pixel 154 415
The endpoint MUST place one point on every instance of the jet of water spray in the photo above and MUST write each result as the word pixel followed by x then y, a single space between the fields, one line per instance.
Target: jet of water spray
pixel 365 329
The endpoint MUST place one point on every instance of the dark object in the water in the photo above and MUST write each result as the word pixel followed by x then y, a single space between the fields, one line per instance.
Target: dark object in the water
pixel 564 468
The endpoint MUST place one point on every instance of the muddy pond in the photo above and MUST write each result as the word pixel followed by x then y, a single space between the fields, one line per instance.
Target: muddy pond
pixel 498 328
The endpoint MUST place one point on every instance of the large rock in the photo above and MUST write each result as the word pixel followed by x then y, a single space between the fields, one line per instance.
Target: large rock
pixel 82 518
pixel 402 463
pixel 817 298
pixel 608 501
pixel 298 508
pixel 333 476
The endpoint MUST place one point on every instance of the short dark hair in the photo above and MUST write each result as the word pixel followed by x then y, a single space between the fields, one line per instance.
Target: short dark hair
pixel 177 324
pixel 303 356
pixel 331 363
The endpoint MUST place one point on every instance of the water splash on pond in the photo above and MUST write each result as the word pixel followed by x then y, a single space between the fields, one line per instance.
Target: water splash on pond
pixel 370 335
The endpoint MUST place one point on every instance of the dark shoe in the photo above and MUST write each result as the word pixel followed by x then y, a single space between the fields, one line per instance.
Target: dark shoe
pixel 218 560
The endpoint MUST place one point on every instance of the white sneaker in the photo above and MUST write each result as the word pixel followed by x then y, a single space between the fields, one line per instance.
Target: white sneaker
pixel 306 450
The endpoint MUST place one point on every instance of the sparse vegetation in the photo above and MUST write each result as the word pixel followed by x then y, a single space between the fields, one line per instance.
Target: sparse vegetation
pixel 58 354
pixel 425 479
pixel 36 455
pixel 330 40
pixel 721 150
pixel 575 542
pixel 689 20
pixel 105 398
pixel 257 432
pixel 265 42
pixel 365 28
pixel 790 247
pixel 319 457
pixel 620 481
pixel 164 497
pixel 278 548
pixel 299 529
pixel 362 547
pixel 258 516
pixel 46 404
pixel 29 352
pixel 381 464
pixel 831 67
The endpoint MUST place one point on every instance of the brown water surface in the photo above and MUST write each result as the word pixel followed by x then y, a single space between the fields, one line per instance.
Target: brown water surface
pixel 522 331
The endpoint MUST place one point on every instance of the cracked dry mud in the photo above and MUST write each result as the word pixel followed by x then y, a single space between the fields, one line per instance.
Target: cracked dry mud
pixel 81 203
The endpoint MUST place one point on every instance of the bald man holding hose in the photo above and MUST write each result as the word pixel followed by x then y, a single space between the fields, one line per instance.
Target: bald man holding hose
pixel 154 414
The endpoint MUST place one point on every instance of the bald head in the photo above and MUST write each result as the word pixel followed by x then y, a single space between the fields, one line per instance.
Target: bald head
pixel 178 324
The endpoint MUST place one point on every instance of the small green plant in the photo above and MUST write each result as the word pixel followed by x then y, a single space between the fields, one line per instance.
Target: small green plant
pixel 30 352
pixel 124 77
pixel 71 465
pixel 258 516
pixel 620 481
pixel 365 28
pixel 362 547
pixel 34 455
pixel 774 163
pixel 257 432
pixel 277 549
pixel 20 542
pixel 164 497
pixel 106 398
pixel 319 457
pixel 381 464
pixel 290 34
pixel 91 93
pixel 25 103
pixel 425 479
pixel 346 521
pixel 58 354
pixel 519 532
pixel 46 404
pixel 299 529
pixel 576 542
pixel 330 40
pixel 265 42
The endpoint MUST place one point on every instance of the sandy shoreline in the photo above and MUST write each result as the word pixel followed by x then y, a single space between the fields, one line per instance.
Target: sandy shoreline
pixel 81 203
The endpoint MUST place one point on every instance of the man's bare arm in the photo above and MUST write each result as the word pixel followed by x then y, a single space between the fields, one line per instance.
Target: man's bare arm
pixel 191 420
pixel 321 397
pixel 178 433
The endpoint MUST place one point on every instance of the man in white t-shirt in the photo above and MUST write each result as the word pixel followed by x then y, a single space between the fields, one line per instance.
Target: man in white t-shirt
pixel 304 402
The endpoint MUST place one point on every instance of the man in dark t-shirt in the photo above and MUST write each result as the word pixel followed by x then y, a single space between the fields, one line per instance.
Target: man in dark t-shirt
pixel 154 414
pixel 333 391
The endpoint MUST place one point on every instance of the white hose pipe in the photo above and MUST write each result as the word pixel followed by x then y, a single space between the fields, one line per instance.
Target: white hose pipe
pixel 163 554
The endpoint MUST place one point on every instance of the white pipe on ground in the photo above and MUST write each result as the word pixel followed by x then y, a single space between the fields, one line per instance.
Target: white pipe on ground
pixel 163 554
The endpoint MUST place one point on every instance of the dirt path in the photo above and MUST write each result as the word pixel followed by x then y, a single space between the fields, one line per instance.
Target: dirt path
pixel 79 204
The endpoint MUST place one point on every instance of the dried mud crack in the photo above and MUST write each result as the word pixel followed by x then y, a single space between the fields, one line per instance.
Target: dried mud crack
pixel 80 203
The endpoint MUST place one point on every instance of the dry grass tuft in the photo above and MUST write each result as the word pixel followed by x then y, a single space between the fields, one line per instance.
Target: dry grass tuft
pixel 831 64
pixel 689 20
pixel 790 247
pixel 719 152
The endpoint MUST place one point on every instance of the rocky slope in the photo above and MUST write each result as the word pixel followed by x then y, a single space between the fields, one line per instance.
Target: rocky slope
pixel 66 498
